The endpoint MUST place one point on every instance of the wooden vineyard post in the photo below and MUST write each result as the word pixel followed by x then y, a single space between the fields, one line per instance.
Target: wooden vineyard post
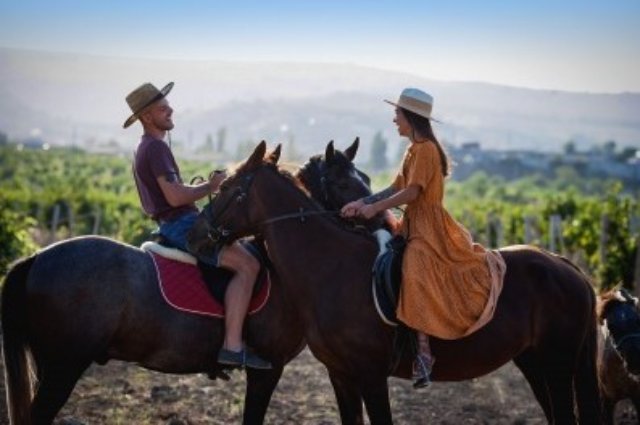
pixel 556 243
pixel 54 222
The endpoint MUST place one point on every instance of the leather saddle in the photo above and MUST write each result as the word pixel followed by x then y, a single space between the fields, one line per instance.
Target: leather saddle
pixel 387 276
pixel 217 278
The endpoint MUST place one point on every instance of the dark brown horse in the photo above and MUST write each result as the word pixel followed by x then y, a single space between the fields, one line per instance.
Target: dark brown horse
pixel 619 351
pixel 545 319
pixel 92 299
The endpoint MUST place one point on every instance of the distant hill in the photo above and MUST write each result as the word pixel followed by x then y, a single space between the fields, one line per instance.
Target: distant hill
pixel 80 99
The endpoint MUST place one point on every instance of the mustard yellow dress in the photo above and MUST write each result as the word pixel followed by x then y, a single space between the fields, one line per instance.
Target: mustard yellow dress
pixel 450 285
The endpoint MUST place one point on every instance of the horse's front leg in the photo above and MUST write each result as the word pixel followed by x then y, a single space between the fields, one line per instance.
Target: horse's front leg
pixel 260 387
pixel 375 392
pixel 349 398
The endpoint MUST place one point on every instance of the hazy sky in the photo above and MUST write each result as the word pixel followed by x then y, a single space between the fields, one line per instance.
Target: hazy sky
pixel 576 45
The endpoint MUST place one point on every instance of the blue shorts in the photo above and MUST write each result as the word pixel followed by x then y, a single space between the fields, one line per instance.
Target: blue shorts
pixel 175 231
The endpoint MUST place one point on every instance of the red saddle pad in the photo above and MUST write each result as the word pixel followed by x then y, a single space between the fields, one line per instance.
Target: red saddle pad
pixel 183 288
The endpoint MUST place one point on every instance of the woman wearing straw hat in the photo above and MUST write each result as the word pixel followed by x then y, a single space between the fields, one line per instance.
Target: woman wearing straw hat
pixel 450 285
pixel 170 202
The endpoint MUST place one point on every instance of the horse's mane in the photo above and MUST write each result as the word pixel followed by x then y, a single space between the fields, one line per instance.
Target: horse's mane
pixel 296 182
pixel 310 176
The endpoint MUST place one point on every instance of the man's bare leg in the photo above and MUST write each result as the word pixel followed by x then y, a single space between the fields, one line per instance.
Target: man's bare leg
pixel 236 303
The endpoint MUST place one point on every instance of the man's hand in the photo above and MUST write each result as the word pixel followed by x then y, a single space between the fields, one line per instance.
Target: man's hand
pixel 216 178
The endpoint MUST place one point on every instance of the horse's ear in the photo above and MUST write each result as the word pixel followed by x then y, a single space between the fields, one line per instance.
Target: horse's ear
pixel 275 155
pixel 258 155
pixel 330 152
pixel 353 149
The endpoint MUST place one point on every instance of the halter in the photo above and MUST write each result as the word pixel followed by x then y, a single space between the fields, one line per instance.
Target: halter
pixel 220 234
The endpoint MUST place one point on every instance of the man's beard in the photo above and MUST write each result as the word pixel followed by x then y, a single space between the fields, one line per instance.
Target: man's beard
pixel 165 125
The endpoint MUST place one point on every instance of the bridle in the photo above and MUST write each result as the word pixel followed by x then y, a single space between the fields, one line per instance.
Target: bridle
pixel 221 234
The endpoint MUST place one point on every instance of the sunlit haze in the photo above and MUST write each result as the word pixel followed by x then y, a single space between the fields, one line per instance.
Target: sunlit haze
pixel 591 46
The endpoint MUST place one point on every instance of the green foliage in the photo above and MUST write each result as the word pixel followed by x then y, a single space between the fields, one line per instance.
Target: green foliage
pixel 93 192
pixel 99 193
pixel 15 237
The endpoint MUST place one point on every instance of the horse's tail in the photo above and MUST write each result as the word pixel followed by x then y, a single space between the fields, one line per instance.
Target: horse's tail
pixel 18 379
pixel 586 377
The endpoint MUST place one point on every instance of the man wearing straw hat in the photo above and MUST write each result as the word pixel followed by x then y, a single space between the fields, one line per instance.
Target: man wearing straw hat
pixel 171 203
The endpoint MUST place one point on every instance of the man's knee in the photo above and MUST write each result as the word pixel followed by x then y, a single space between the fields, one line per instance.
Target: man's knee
pixel 236 257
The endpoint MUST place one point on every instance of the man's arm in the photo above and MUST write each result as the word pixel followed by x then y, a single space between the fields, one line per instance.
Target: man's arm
pixel 178 193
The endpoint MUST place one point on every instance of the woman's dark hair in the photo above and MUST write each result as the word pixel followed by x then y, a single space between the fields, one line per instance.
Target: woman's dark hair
pixel 422 126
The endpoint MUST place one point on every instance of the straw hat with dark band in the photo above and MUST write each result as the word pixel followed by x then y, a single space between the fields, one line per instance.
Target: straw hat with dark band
pixel 142 97
pixel 416 101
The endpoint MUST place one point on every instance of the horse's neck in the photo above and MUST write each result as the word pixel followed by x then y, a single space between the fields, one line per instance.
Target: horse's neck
pixel 315 251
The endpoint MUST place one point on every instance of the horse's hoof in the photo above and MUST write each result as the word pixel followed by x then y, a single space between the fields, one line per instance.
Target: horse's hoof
pixel 218 373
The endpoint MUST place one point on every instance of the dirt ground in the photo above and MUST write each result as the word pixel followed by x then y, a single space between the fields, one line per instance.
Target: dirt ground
pixel 120 393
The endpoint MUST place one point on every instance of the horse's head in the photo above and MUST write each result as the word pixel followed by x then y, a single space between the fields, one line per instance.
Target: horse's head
pixel 620 314
pixel 228 216
pixel 333 180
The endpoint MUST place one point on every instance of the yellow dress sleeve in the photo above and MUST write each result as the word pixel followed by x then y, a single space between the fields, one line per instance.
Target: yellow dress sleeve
pixel 423 165
pixel 398 183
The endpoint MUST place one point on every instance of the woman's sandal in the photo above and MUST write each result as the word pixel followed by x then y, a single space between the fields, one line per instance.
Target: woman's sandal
pixel 422 367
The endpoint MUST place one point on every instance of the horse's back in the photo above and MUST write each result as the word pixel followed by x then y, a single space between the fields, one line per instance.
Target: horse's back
pixel 552 287
pixel 91 264
pixel 83 286
pixel 539 270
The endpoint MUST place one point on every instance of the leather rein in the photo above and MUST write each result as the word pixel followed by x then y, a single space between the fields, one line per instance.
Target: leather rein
pixel 221 234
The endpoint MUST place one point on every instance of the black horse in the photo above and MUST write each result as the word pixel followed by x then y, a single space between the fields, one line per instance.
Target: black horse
pixel 545 319
pixel 92 299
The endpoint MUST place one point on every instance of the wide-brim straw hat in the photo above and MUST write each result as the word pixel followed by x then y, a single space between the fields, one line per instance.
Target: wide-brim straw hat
pixel 142 97
pixel 416 101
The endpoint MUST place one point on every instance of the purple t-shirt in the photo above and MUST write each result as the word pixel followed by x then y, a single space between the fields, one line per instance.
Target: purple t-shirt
pixel 153 159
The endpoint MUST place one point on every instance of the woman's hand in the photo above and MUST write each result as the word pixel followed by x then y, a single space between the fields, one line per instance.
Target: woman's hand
pixel 367 211
pixel 395 225
pixel 351 209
